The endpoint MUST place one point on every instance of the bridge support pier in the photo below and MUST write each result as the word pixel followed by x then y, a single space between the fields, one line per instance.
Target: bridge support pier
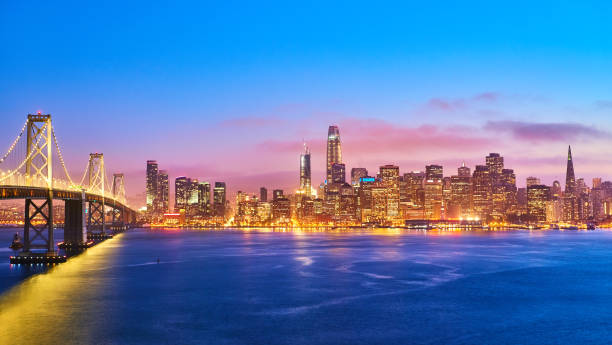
pixel 75 234
pixel 38 240
pixel 96 220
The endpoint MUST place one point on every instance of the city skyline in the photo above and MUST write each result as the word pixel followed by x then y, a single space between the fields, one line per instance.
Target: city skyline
pixel 424 84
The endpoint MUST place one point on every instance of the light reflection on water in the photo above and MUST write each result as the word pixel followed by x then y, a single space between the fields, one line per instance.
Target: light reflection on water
pixel 303 287
pixel 48 306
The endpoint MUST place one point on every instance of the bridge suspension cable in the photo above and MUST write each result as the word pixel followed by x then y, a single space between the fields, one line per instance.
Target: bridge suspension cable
pixel 14 142
pixel 61 158
pixel 11 173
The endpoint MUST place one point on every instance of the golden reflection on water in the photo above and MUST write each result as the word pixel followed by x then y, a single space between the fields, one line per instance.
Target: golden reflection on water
pixel 61 302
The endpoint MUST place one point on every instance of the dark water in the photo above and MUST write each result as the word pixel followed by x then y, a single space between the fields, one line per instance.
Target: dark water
pixel 384 287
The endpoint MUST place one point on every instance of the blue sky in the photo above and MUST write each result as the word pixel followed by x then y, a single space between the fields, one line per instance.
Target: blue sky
pixel 166 78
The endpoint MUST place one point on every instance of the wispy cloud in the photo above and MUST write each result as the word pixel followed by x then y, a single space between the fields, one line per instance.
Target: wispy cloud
pixel 535 132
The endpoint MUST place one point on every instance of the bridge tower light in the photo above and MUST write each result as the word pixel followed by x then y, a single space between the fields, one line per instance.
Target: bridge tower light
pixel 39 145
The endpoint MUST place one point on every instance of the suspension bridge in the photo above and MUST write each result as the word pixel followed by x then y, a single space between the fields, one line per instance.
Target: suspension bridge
pixel 94 206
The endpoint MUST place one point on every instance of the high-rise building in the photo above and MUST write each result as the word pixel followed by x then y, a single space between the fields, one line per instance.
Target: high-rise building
pixel 433 191
pixel 152 186
pixel 305 177
pixel 263 194
pixel 537 198
pixel 277 193
pixel 596 182
pixel 164 191
pixel 508 183
pixel 389 176
pixel 495 164
pixel 413 183
pixel 433 172
pixel 338 173
pixel 481 192
pixel 204 197
pixel 357 174
pixel 334 150
pixel 555 191
pixel 219 198
pixel 570 178
pixel 532 181
pixel 461 194
pixel 182 192
pixel 463 171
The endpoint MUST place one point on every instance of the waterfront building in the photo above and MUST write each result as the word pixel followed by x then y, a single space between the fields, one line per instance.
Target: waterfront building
pixel 334 150
pixel 219 199
pixel 182 186
pixel 389 177
pixel 537 199
pixel 414 193
pixel 433 192
pixel 460 205
pixel 281 210
pixel 481 189
pixel 305 173
pixel 163 192
pixel 495 165
pixel 204 200
pixel 508 183
pixel 152 186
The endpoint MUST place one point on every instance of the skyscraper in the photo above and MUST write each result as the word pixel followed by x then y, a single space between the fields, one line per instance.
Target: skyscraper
pixel 495 164
pixel 219 197
pixel 357 174
pixel 481 192
pixel 263 194
pixel 532 181
pixel 338 173
pixel 570 179
pixel 204 196
pixel 334 150
pixel 164 191
pixel 461 194
pixel 277 193
pixel 182 186
pixel 537 197
pixel 389 176
pixel 152 186
pixel 433 191
pixel 305 177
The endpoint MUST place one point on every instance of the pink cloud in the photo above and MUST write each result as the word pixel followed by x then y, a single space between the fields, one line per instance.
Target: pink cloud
pixel 537 132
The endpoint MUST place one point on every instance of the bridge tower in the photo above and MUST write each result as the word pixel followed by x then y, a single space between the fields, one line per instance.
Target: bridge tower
pixel 39 173
pixel 119 195
pixel 97 177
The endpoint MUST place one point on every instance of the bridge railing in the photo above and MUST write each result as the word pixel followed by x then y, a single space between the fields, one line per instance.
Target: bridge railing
pixel 21 180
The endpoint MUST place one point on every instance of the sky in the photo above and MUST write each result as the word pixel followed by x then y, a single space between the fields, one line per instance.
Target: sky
pixel 229 90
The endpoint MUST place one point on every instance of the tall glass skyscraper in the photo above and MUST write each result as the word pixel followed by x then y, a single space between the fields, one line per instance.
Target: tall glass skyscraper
pixel 152 186
pixel 305 177
pixel 163 192
pixel 219 198
pixel 570 179
pixel 334 150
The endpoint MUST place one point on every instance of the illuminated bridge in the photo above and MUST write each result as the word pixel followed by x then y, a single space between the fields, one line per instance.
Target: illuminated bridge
pixel 93 206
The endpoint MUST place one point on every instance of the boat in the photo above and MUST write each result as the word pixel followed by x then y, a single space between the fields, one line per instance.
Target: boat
pixel 591 226
pixel 16 244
